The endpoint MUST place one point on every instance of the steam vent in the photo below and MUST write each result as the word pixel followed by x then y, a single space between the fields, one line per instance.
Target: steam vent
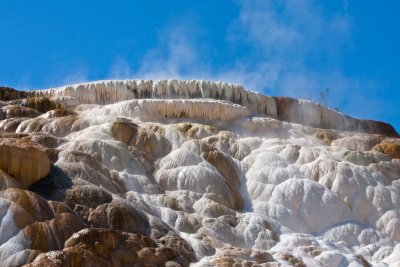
pixel 177 173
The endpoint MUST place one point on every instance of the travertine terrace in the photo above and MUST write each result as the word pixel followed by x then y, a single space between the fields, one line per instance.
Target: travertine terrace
pixel 200 173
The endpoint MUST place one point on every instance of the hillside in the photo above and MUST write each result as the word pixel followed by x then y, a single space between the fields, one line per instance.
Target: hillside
pixel 178 173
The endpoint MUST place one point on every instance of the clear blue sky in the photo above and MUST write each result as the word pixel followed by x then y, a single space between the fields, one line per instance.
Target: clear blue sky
pixel 277 47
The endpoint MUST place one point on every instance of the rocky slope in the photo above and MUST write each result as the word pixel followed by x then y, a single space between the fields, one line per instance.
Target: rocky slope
pixel 179 173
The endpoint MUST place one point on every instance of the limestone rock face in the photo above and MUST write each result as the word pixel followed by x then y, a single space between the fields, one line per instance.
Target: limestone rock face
pixel 124 131
pixel 389 147
pixel 119 216
pixel 178 173
pixel 312 114
pixel 12 111
pixel 23 160
pixel 6 181
pixel 101 247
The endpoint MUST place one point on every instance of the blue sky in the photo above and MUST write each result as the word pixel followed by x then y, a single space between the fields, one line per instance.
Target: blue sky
pixel 278 47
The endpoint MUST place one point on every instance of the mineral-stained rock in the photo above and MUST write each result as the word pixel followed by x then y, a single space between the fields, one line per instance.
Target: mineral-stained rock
pixel 33 125
pixel 290 259
pixel 78 165
pixel 226 168
pixel 52 154
pixel 23 160
pixel 241 257
pixel 391 148
pixel 33 225
pixel 5 135
pixel 68 258
pixel 51 234
pixel 55 113
pixel 171 173
pixel 59 126
pixel 182 247
pixel 6 181
pixel 326 135
pixel 20 111
pixel 88 195
pixel 312 114
pixel 124 131
pixel 46 140
pixel 197 131
pixel 11 125
pixel 119 216
pixel 101 247
pixel 358 142
pixel 41 104
pixel 36 206
pixel 152 143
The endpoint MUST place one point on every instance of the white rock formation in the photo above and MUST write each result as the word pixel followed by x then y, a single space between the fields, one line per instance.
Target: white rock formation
pixel 234 173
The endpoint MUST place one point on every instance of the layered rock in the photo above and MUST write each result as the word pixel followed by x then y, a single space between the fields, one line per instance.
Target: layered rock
pixel 173 173
pixel 101 247
pixel 309 113
pixel 284 108
pixel 24 160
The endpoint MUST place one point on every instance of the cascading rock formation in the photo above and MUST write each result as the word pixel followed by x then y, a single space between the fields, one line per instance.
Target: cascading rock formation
pixel 178 173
